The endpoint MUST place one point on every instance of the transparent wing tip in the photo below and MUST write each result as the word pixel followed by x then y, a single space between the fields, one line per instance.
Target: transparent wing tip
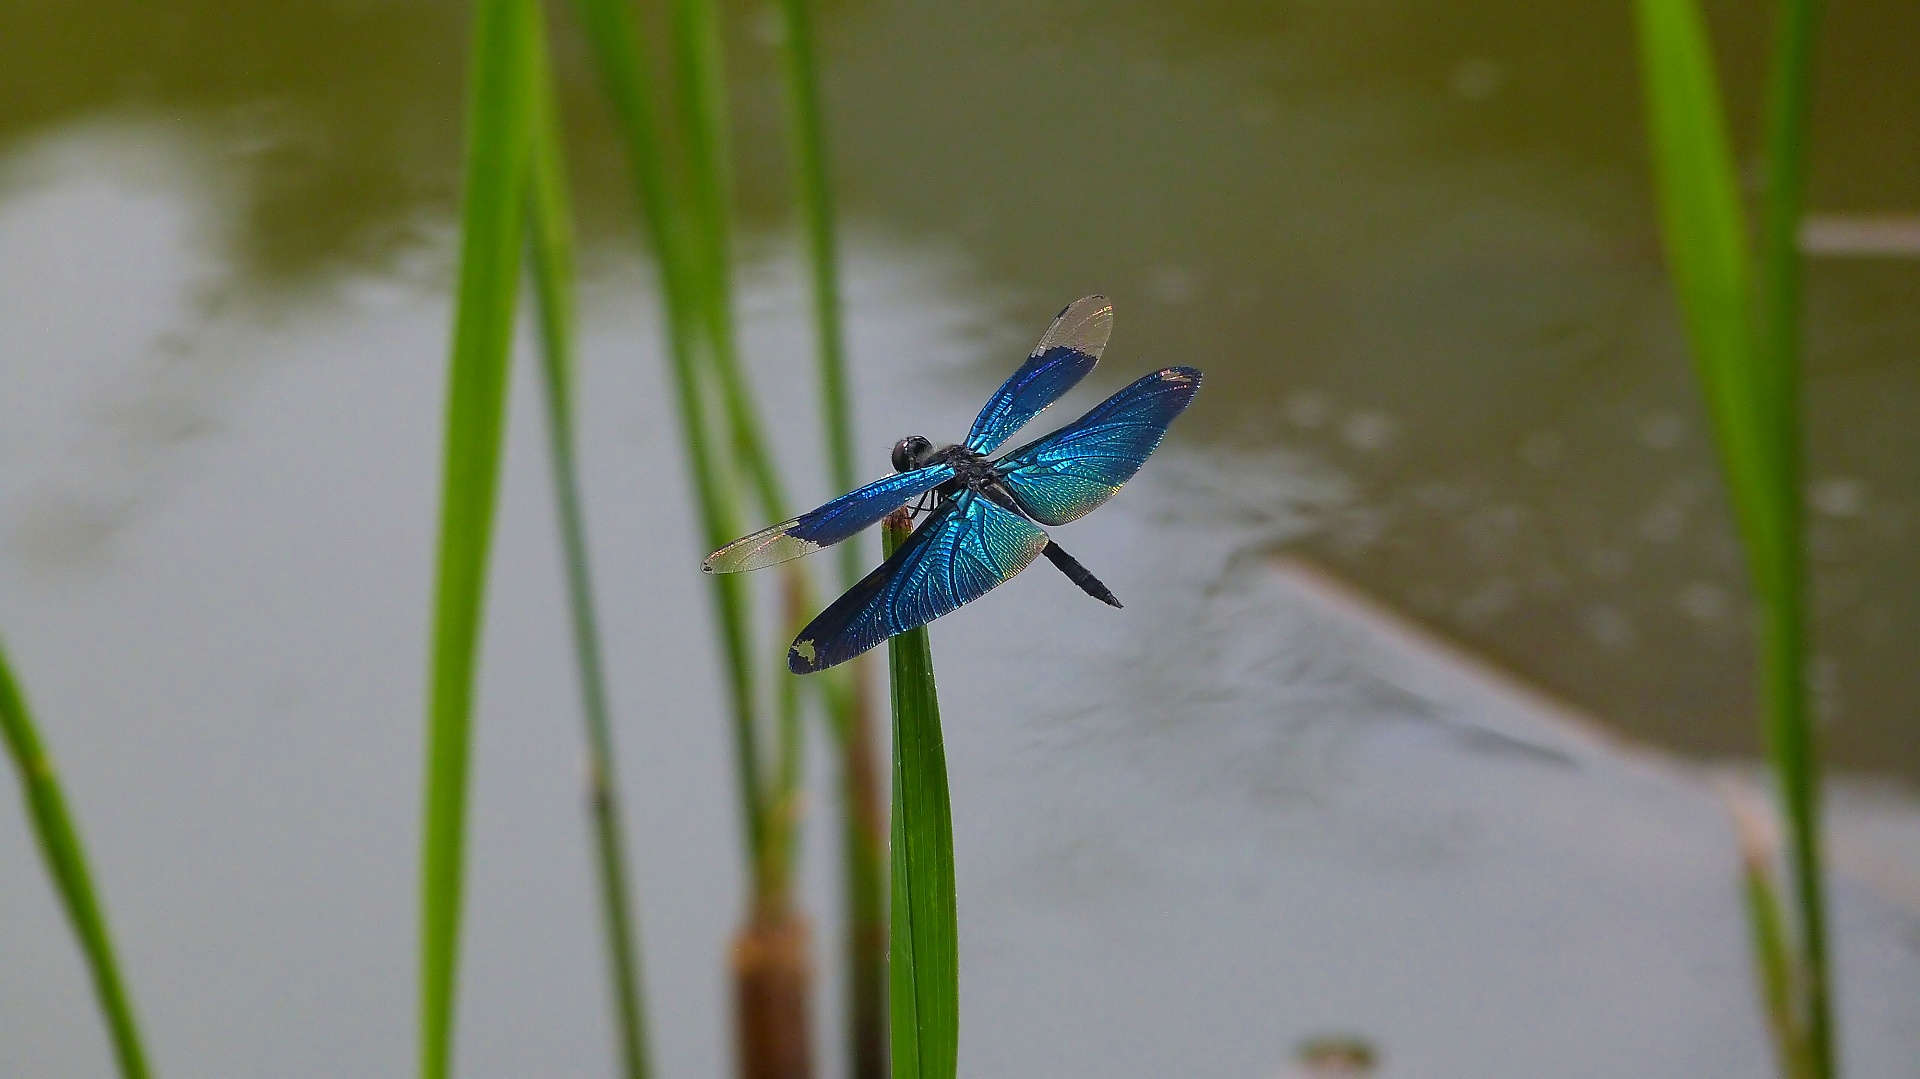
pixel 1083 325
pixel 762 549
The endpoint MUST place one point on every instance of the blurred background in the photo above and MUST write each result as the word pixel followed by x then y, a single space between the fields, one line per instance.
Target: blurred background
pixel 1449 412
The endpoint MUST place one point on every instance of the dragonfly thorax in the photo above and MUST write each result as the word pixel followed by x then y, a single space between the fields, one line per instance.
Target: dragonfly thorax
pixel 970 469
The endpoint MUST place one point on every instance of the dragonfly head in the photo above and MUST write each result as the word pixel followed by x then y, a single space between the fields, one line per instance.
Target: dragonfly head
pixel 911 452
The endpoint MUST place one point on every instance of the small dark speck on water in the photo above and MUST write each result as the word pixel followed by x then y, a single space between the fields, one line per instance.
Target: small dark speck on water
pixel 1328 1056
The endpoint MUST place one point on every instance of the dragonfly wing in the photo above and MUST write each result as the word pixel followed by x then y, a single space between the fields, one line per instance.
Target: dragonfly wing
pixel 827 525
pixel 1066 352
pixel 965 548
pixel 1070 472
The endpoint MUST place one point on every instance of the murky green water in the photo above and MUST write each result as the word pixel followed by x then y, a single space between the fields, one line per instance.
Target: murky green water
pixel 1415 237
pixel 1409 243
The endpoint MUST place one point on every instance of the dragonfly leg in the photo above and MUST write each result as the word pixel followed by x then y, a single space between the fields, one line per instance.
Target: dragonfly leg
pixel 1078 574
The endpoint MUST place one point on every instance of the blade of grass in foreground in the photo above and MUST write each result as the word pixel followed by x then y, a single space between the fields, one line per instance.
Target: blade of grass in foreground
pixel 550 246
pixel 500 116
pixel 67 863
pixel 1750 381
pixel 924 981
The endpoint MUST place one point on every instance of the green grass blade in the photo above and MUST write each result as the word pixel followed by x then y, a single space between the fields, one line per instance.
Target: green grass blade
pixel 696 39
pixel 500 116
pixel 1781 568
pixel 1774 957
pixel 1789 95
pixel 550 232
pixel 863 869
pixel 807 143
pixel 613 32
pixel 1750 378
pixel 66 862
pixel 863 845
pixel 702 96
pixel 924 982
pixel 1774 963
pixel 1702 225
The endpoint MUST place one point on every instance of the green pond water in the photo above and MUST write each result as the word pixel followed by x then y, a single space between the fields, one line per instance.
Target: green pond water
pixel 1415 237
pixel 1412 248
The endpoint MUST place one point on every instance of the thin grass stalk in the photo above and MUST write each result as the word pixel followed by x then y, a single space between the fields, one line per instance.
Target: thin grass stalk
pixel 703 107
pixel 698 48
pixel 789 750
pixel 863 842
pixel 65 855
pixel 770 953
pixel 1745 343
pixel 807 144
pixel 550 251
pixel 1781 577
pixel 614 35
pixel 500 117
pixel 1775 973
pixel 1778 974
pixel 702 97
pixel 924 981
pixel 863 868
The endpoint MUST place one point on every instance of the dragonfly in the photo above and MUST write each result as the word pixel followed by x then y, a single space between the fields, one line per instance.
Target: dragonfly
pixel 981 515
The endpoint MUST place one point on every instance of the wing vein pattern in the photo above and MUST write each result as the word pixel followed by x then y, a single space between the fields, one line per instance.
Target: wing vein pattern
pixel 828 525
pixel 960 552
pixel 1069 473
pixel 1066 352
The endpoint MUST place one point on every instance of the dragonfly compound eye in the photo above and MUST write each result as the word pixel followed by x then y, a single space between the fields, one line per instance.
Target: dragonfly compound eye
pixel 909 453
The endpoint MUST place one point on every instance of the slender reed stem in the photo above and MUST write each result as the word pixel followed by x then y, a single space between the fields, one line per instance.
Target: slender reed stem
pixel 863 843
pixel 1745 340
pixel 923 985
pixel 1781 574
pixel 864 859
pixel 500 117
pixel 66 859
pixel 551 253
pixel 688 223
pixel 702 96
pixel 789 758
pixel 703 102
pixel 806 139
pixel 614 34
pixel 1775 967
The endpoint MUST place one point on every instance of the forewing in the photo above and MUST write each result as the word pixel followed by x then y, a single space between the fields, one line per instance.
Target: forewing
pixel 1070 472
pixel 1066 352
pixel 827 525
pixel 960 552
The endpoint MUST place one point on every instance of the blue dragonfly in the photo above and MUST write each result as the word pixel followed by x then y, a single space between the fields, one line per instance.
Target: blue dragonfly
pixel 982 515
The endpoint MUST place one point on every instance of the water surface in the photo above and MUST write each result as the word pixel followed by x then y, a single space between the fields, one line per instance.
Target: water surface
pixel 1412 250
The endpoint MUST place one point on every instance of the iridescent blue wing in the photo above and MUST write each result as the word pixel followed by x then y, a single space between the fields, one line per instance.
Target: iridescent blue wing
pixel 1066 352
pixel 963 549
pixel 1067 474
pixel 827 525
